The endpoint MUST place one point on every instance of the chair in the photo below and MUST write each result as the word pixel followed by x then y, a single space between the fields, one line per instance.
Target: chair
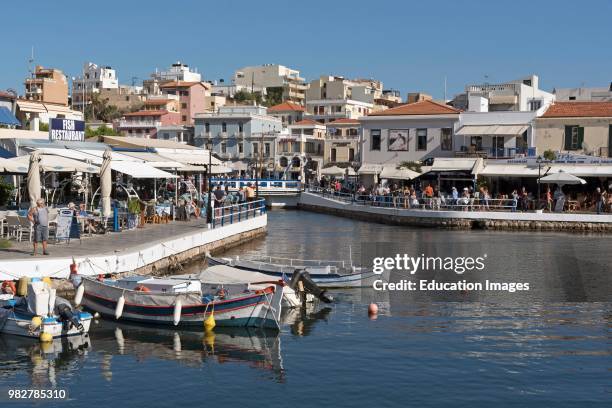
pixel 12 222
pixel 24 225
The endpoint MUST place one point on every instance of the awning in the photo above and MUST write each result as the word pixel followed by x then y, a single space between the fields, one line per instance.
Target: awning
pixel 7 117
pixel 369 168
pixel 220 170
pixel 12 166
pixel 452 164
pixel 50 162
pixel 140 170
pixel 337 171
pixel 153 159
pixel 32 107
pixel 510 170
pixel 492 130
pixel 238 165
pixel 190 157
pixel 503 100
pixel 521 170
pixel 391 172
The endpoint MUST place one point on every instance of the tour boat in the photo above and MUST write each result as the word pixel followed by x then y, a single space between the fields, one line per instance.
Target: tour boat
pixel 326 274
pixel 40 314
pixel 223 277
pixel 180 302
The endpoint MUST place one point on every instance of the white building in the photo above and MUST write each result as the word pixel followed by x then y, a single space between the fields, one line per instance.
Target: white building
pixel 267 76
pixel 93 79
pixel 178 72
pixel 329 98
pixel 600 94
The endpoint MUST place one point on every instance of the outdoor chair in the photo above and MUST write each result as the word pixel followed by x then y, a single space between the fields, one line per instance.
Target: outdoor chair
pixel 24 226
pixel 11 224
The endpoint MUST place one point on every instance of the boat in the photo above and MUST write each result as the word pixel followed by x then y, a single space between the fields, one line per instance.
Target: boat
pixel 181 302
pixel 223 277
pixel 326 274
pixel 40 314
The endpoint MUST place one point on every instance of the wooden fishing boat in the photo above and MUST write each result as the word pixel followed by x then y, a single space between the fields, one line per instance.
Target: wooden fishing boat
pixel 180 302
pixel 326 274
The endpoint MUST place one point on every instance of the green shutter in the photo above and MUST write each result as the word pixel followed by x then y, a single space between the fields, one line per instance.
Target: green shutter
pixel 568 138
pixel 580 137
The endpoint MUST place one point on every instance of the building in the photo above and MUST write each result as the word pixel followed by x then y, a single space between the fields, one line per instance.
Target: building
pixel 177 72
pixel 413 97
pixel 92 81
pixel 575 127
pixel 601 94
pixel 176 133
pixel 244 134
pixel 389 98
pixel 284 81
pixel 411 132
pixel 32 114
pixel 125 97
pixel 329 98
pixel 147 122
pixel 520 95
pixel 301 150
pixel 192 98
pixel 342 141
pixel 288 112
pixel 47 85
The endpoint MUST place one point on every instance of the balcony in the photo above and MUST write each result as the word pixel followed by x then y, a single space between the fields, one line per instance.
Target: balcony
pixel 494 152
pixel 130 124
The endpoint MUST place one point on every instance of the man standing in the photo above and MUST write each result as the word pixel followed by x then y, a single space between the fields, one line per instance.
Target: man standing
pixel 600 198
pixel 219 195
pixel 39 216
pixel 250 193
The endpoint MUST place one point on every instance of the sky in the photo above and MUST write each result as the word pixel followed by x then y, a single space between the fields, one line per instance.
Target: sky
pixel 409 45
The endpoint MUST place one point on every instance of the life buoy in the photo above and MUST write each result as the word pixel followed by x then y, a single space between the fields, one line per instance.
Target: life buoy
pixel 9 287
pixel 142 288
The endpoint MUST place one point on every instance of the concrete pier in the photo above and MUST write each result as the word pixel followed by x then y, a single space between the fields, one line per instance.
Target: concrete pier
pixel 151 249
pixel 495 220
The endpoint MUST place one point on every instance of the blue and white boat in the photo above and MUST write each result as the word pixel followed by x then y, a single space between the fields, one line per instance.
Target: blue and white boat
pixel 41 313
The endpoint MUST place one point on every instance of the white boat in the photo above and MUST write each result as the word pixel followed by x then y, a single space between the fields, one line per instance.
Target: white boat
pixel 41 311
pixel 326 274
pixel 223 277
pixel 181 302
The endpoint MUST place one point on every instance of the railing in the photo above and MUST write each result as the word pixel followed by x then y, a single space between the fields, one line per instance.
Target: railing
pixel 230 214
pixel 492 152
pixel 264 184
pixel 139 123
pixel 277 260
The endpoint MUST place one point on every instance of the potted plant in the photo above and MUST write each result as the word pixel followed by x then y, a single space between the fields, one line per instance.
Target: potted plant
pixel 133 212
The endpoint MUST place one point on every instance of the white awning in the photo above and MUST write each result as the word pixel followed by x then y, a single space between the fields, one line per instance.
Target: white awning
pixel 337 171
pixel 493 130
pixel 198 157
pixel 220 170
pixel 154 160
pixel 50 162
pixel 369 168
pixel 34 107
pixel 452 164
pixel 140 170
pixel 391 172
pixel 12 166
pixel 510 170
pixel 583 170
pixel 238 165
pixel 521 170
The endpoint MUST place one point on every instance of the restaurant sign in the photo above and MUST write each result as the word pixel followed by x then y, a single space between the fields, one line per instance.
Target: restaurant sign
pixel 66 130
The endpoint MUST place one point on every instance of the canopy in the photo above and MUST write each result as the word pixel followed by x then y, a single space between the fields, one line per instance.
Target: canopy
pixel 562 178
pixel 139 170
pixel 11 166
pixel 223 274
pixel 238 165
pixel 494 130
pixel 220 170
pixel 369 168
pixel 51 162
pixel 452 164
pixel 189 157
pixel 391 172
pixel 337 171
pixel 511 170
pixel 7 117
pixel 154 160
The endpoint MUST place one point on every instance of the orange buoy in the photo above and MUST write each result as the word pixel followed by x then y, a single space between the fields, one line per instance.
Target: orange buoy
pixel 373 309
pixel 9 287
pixel 73 268
pixel 142 288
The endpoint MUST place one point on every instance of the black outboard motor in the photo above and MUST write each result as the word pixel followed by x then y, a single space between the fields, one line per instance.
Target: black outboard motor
pixel 300 275
pixel 66 315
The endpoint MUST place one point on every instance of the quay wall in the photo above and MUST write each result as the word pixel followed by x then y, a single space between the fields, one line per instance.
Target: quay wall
pixel 463 220
pixel 153 257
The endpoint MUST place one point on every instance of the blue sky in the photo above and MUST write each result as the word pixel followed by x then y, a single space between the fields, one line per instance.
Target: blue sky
pixel 409 45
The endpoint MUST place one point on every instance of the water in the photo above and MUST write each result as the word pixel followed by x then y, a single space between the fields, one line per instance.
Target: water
pixel 548 347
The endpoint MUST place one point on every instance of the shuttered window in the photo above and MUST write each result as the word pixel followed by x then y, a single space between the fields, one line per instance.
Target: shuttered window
pixel 574 137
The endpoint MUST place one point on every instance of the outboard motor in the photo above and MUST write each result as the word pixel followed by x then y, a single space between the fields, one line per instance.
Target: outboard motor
pixel 66 314
pixel 300 275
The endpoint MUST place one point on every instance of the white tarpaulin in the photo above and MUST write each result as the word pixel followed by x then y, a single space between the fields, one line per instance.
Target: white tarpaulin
pixel 391 172
pixel 10 166
pixel 452 164
pixel 198 157
pixel 337 171
pixel 369 168
pixel 106 183
pixel 223 274
pixel 139 170
pixel 50 162
pixel 154 159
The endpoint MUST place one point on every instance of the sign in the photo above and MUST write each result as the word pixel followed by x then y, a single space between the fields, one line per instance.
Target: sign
pixel 66 130
pixel 64 225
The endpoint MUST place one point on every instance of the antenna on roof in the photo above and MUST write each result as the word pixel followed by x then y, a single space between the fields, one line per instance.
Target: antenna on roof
pixel 30 61
pixel 445 89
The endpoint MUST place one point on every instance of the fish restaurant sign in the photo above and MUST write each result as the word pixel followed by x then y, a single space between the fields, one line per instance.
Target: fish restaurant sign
pixel 66 130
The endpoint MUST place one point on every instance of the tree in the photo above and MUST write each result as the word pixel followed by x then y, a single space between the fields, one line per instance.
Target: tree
pixel 99 109
pixel 274 96
pixel 245 96
pixel 100 131
pixel 549 155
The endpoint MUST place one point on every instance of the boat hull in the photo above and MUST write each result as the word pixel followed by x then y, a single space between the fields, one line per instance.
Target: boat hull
pixel 21 326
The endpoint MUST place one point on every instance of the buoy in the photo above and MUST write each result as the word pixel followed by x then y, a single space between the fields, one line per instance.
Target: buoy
pixel 142 288
pixel 47 280
pixel 36 322
pixel 73 268
pixel 9 287
pixel 78 297
pixel 46 337
pixel 209 322
pixel 373 309
pixel 178 307
pixel 119 308
pixel 22 288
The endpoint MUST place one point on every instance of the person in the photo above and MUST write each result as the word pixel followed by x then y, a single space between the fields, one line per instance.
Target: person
pixel 524 199
pixel 250 193
pixel 39 216
pixel 219 195
pixel 455 195
pixel 549 199
pixel 600 200
pixel 241 195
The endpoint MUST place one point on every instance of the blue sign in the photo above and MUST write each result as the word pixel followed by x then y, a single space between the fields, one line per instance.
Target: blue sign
pixel 67 130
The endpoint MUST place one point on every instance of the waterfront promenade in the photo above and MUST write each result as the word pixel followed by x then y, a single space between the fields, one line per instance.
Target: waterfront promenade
pixel 455 218
pixel 153 247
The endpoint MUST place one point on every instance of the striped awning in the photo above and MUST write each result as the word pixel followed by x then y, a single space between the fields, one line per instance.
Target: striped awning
pixel 492 130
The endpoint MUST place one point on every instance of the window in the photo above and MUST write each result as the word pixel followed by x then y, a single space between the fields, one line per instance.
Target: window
pixel 183 105
pixel 574 137
pixel 572 98
pixel 255 148
pixel 240 148
pixel 240 127
pixel 476 142
pixel 375 139
pixel 267 149
pixel 535 104
pixel 333 155
pixel 184 118
pixel 446 139
pixel 224 127
pixel 223 147
pixel 421 135
pixel 207 127
pixel 353 132
pixel 351 154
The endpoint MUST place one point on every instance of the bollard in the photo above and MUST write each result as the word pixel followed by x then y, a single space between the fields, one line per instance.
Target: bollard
pixel 115 219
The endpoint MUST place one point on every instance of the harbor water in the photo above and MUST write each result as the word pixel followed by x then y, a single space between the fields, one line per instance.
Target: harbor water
pixel 549 346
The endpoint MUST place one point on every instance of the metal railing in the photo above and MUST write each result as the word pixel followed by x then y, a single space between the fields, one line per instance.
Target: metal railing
pixel 231 214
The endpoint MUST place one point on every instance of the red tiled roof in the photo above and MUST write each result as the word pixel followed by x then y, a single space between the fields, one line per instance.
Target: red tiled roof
pixel 344 120
pixel 286 106
pixel 147 113
pixel 181 84
pixel 6 95
pixel 579 109
pixel 305 122
pixel 418 108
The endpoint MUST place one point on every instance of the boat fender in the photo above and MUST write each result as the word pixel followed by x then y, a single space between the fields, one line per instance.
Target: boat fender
pixel 119 308
pixel 209 322
pixel 8 287
pixel 100 278
pixel 78 297
pixel 46 337
pixel 36 322
pixel 142 288
pixel 178 306
pixel 73 268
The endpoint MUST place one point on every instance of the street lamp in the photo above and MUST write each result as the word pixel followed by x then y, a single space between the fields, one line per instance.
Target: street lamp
pixel 209 146
pixel 539 161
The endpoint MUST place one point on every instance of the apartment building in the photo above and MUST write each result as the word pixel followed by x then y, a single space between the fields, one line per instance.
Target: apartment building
pixel 191 96
pixel 342 141
pixel 269 78
pixel 47 85
pixel 288 112
pixel 146 123
pixel 598 94
pixel 331 97
pixel 93 79
pixel 301 149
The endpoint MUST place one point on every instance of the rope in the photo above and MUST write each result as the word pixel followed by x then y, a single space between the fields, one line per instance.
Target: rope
pixel 270 307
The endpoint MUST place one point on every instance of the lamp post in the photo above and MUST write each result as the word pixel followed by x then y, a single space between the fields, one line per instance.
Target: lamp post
pixel 209 146
pixel 539 161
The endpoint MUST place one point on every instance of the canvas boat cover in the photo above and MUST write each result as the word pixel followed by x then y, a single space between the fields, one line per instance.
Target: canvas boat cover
pixel 227 275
